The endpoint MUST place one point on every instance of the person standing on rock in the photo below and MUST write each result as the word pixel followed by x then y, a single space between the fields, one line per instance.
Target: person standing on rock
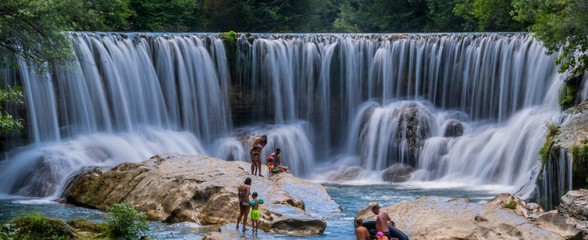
pixel 244 190
pixel 382 220
pixel 255 212
pixel 255 151
pixel 361 232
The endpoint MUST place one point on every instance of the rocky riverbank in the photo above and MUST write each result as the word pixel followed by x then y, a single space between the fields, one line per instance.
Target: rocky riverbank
pixel 201 189
pixel 504 217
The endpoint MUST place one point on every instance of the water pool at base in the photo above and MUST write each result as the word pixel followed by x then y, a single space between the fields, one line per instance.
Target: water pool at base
pixel 339 226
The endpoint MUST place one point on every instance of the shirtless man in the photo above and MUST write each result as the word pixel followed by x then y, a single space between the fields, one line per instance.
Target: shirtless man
pixel 382 220
pixel 244 190
pixel 255 152
pixel 277 161
pixel 361 232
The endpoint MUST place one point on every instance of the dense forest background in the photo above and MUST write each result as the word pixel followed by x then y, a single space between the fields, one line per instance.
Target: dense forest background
pixel 33 29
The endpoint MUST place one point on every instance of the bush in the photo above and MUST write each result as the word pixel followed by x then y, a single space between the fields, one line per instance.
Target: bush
pixel 125 222
pixel 510 205
pixel 35 226
pixel 7 231
pixel 547 148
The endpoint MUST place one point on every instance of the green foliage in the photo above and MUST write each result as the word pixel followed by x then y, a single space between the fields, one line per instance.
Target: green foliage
pixel 568 95
pixel 7 231
pixel 32 29
pixel 547 148
pixel 562 26
pixel 89 230
pixel 87 15
pixel 229 37
pixel 489 15
pixel 346 19
pixel 580 157
pixel 441 17
pixel 35 226
pixel 510 205
pixel 8 124
pixel 125 222
pixel 165 16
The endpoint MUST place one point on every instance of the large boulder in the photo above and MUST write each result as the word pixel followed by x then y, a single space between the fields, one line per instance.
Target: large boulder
pixel 572 138
pixel 397 173
pixel 501 218
pixel 201 189
pixel 575 204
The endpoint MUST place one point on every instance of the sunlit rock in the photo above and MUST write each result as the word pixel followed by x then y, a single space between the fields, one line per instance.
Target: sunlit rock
pixel 500 218
pixel 575 204
pixel 201 189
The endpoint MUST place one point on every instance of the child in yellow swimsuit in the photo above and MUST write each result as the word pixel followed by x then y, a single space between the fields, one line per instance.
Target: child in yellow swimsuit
pixel 255 212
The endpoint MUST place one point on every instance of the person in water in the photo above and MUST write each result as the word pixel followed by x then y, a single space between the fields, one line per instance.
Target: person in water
pixel 244 190
pixel 255 151
pixel 382 220
pixel 361 232
pixel 255 212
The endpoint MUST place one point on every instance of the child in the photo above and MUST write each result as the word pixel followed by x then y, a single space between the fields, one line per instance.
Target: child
pixel 380 236
pixel 255 212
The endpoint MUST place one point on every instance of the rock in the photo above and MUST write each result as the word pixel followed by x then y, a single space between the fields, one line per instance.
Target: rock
pixel 575 204
pixel 201 189
pixel 447 218
pixel 567 227
pixel 413 126
pixel 344 174
pixel 521 207
pixel 228 232
pixel 453 128
pixel 397 173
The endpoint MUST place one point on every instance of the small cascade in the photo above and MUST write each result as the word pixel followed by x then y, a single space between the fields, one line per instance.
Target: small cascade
pixel 556 180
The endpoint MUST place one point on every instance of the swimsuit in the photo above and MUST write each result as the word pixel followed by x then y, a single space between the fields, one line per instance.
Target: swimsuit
pixel 255 214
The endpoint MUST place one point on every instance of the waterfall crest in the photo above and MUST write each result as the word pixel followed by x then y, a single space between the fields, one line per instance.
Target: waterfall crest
pixel 462 108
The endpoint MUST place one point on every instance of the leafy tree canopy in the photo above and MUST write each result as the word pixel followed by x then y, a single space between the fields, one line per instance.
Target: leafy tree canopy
pixel 560 25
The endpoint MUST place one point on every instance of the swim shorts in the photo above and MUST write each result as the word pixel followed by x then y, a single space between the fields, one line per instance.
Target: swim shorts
pixel 254 214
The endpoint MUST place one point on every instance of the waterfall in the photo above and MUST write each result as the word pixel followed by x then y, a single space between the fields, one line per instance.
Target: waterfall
pixel 380 100
pixel 458 108
pixel 124 98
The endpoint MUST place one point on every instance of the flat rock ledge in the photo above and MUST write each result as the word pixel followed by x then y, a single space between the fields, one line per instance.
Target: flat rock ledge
pixel 504 217
pixel 201 189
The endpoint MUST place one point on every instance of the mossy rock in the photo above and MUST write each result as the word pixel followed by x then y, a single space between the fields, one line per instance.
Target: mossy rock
pixel 36 226
pixel 89 230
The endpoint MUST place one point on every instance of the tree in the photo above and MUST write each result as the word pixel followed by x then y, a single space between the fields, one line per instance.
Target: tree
pixel 100 15
pixel 488 15
pixel 560 25
pixel 165 16
pixel 441 17
pixel 30 29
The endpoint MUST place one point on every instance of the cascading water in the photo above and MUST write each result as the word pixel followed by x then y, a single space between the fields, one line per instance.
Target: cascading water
pixel 460 108
pixel 500 89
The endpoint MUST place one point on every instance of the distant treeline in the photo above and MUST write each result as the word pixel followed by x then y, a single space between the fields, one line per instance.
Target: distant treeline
pixel 372 16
